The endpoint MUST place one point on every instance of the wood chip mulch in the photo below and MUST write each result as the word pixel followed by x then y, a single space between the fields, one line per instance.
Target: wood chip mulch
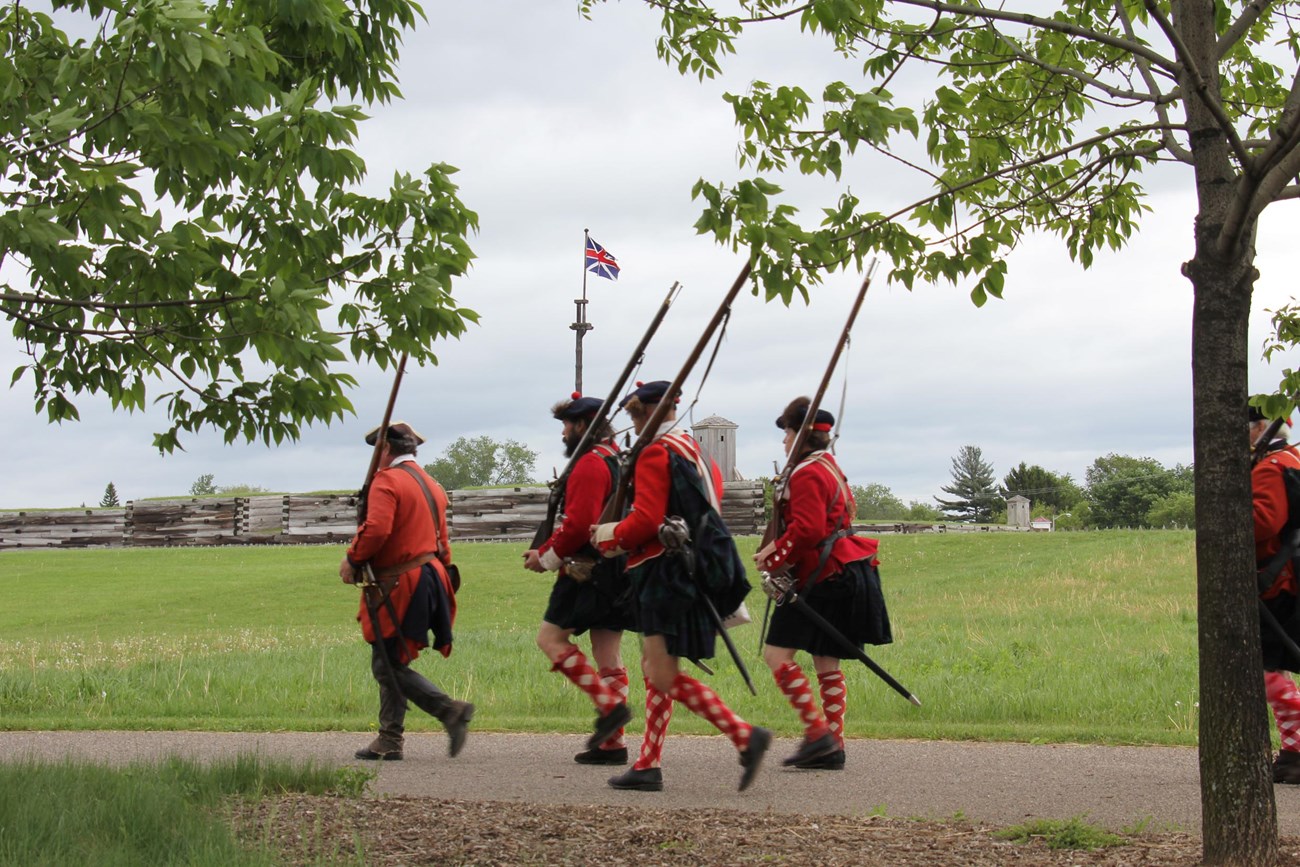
pixel 307 830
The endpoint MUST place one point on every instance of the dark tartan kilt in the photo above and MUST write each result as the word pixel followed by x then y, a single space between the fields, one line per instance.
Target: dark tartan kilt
pixel 1276 655
pixel 851 601
pixel 667 603
pixel 603 602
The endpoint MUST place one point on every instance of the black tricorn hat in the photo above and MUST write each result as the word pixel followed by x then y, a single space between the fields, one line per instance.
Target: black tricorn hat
pixel 396 430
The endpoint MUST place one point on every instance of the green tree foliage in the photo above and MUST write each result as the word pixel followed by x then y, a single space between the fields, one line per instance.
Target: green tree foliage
pixel 1078 518
pixel 973 487
pixel 918 511
pixel 472 462
pixel 1176 510
pixel 241 490
pixel 1042 487
pixel 1029 118
pixel 109 500
pixel 181 203
pixel 877 501
pixel 1122 490
pixel 203 486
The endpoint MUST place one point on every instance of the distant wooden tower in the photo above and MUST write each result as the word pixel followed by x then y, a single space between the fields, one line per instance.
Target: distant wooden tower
pixel 717 437
pixel 1018 511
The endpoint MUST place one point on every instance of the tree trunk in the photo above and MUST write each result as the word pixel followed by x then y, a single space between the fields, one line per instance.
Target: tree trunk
pixel 1238 813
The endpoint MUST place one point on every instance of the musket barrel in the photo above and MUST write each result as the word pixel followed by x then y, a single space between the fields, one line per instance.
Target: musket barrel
pixel 614 507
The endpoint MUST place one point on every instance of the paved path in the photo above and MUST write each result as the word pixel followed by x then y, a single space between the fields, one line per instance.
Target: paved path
pixel 1003 784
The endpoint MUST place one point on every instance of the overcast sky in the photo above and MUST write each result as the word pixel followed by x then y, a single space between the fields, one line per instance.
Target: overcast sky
pixel 560 124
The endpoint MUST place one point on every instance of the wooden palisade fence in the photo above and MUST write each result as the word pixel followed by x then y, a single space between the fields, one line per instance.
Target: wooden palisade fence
pixel 505 514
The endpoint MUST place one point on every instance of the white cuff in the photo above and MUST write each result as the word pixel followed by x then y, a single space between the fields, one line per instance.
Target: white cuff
pixel 550 561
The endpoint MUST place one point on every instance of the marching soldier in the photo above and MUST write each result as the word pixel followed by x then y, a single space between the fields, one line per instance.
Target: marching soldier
pixel 672 477
pixel 403 539
pixel 1268 490
pixel 587 602
pixel 834 572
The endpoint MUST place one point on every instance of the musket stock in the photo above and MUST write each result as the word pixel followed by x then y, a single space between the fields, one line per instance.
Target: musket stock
pixel 370 586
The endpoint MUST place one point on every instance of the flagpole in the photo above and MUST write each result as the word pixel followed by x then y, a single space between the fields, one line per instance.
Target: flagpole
pixel 581 326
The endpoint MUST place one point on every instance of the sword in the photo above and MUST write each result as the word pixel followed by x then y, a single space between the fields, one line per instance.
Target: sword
pixel 674 535
pixel 783 587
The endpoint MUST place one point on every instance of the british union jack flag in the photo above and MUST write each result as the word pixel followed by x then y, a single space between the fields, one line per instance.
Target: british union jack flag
pixel 600 262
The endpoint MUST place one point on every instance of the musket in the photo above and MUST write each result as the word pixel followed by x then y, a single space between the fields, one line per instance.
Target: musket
pixel 614 506
pixel 547 526
pixel 370 587
pixel 676 539
pixel 790 596
pixel 1262 444
pixel 782 582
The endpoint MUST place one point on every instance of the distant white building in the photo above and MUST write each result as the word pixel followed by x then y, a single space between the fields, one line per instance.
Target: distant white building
pixel 1042 524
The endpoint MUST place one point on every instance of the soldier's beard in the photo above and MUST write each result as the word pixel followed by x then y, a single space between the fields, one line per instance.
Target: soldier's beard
pixel 571 443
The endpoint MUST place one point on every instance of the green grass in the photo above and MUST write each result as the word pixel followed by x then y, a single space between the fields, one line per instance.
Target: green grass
pixel 1082 637
pixel 170 813
pixel 1073 834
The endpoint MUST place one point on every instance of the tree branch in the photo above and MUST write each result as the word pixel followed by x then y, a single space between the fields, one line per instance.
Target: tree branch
pixel 1128 46
pixel 1081 77
pixel 1241 26
pixel 1175 147
pixel 1208 99
pixel 25 298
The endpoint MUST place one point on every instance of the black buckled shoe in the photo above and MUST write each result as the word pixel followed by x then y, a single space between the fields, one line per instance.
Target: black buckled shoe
pixel 809 750
pixel 608 724
pixel 457 726
pixel 829 762
pixel 602 757
pixel 366 754
pixel 647 780
pixel 750 759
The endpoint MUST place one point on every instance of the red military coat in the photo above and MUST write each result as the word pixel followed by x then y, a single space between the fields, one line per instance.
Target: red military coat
pixel 816 502
pixel 638 533
pixel 585 492
pixel 1268 492
pixel 399 529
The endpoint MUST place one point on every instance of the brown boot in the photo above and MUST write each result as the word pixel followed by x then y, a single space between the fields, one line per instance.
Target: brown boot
pixel 381 749
pixel 1286 767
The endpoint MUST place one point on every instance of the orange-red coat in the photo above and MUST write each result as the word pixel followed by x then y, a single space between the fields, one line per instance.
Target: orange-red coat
pixel 399 528
pixel 1268 491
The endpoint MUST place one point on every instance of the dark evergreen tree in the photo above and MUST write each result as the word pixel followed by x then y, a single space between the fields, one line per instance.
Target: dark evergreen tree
pixel 110 497
pixel 974 487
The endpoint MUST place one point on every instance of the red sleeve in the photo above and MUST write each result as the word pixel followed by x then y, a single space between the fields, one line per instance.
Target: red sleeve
pixel 381 507
pixel 585 493
pixel 650 503
pixel 805 514
pixel 1269 495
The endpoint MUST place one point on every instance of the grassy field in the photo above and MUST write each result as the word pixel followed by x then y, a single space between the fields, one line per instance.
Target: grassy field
pixel 1084 637
pixel 173 812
